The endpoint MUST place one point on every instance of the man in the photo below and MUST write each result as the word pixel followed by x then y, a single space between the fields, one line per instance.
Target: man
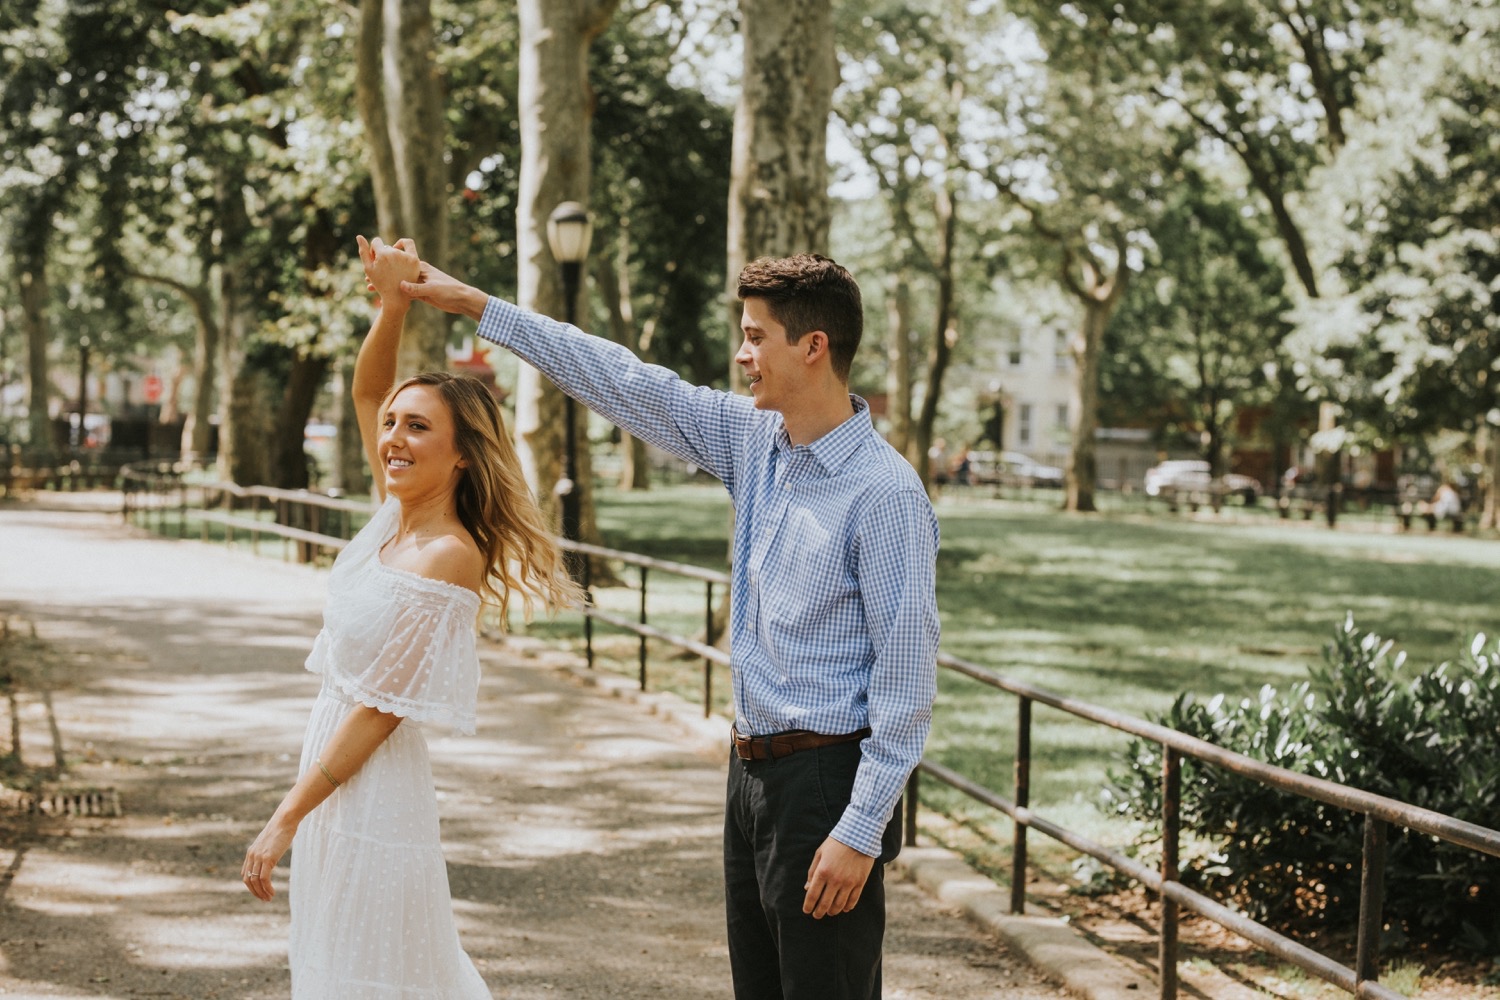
pixel 833 628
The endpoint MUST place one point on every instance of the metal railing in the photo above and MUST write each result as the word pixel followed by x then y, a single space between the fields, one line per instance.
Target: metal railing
pixel 314 522
pixel 642 628
pixel 1380 812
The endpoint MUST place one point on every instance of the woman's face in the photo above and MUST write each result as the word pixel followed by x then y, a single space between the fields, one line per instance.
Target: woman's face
pixel 417 448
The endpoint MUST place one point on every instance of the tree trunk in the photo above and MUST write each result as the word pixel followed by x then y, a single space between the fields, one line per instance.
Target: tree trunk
pixel 398 92
pixel 1083 469
pixel 349 472
pixel 1488 446
pixel 556 107
pixel 1099 296
pixel 614 289
pixel 778 182
pixel 944 336
pixel 243 433
pixel 32 277
pixel 198 426
pixel 248 429
pixel 898 362
pixel 289 455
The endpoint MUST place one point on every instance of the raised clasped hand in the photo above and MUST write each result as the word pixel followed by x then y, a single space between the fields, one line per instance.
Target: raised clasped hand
pixel 388 265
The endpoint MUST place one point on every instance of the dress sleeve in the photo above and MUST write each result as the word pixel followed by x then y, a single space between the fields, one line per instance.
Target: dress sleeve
pixel 422 663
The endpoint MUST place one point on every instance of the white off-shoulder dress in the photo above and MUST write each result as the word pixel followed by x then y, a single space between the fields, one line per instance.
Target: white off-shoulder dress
pixel 372 915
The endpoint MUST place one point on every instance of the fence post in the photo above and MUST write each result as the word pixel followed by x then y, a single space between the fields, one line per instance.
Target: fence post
pixel 1171 800
pixel 1371 902
pixel 161 505
pixel 708 640
pixel 1023 799
pixel 642 643
pixel 227 497
pixel 911 806
pixel 588 620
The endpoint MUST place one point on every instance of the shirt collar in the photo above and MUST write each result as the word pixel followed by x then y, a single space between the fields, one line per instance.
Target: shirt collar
pixel 836 447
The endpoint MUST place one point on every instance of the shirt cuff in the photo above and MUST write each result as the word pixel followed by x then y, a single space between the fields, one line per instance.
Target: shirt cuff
pixel 498 320
pixel 860 830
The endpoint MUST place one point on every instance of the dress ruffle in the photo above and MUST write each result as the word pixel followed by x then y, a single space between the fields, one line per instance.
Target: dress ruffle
pixel 397 641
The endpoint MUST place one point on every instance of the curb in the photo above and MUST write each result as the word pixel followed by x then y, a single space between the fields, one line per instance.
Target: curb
pixel 1050 944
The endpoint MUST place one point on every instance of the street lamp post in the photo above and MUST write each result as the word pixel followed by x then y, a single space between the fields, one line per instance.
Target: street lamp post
pixel 568 232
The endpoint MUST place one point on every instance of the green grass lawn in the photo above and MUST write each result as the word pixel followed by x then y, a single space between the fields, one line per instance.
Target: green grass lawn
pixel 1125 609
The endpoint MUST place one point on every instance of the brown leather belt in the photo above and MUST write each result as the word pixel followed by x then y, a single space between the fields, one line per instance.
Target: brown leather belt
pixel 782 744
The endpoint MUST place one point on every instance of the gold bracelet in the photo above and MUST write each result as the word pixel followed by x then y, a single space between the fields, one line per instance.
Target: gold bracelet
pixel 330 777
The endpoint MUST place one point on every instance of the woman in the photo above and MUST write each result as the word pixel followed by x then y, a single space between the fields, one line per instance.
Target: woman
pixel 370 905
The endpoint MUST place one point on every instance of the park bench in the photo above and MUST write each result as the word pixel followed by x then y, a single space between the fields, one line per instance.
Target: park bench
pixel 1308 502
pixel 1409 511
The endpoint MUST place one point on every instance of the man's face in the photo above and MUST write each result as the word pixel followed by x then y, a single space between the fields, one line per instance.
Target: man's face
pixel 775 369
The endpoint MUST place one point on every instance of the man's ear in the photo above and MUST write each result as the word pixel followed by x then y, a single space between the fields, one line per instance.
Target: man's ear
pixel 814 345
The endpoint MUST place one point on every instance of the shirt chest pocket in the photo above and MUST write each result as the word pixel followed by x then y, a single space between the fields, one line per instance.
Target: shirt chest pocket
pixel 808 573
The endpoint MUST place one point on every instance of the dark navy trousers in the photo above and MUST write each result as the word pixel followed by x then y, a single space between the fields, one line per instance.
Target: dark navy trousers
pixel 777 814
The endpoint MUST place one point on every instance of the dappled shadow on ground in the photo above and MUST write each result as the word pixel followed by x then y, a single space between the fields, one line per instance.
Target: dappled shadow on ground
pixel 582 836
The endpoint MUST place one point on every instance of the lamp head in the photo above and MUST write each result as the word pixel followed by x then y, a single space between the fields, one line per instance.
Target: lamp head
pixel 569 230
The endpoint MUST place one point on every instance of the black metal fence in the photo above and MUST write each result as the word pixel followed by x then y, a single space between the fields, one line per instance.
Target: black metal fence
pixel 152 493
pixel 166 497
pixel 1379 812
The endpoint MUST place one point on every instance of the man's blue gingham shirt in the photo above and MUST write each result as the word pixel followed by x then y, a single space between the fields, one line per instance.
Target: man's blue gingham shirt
pixel 833 622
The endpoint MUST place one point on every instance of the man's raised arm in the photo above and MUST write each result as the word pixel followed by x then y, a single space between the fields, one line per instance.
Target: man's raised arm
pixel 704 427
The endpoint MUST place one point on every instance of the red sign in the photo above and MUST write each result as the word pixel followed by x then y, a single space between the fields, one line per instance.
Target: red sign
pixel 152 387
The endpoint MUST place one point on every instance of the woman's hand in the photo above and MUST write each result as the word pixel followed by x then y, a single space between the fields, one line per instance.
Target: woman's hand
pixel 264 853
pixel 386 267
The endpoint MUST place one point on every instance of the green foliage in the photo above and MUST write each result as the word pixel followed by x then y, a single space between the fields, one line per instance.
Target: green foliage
pixel 1192 347
pixel 1363 719
pixel 662 219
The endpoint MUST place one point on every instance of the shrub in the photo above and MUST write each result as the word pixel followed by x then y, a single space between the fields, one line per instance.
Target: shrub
pixel 1367 720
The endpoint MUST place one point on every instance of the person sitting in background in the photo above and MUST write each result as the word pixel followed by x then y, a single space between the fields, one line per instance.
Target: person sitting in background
pixel 1446 505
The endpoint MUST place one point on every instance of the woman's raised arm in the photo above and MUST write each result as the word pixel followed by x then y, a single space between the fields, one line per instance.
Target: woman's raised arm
pixel 375 368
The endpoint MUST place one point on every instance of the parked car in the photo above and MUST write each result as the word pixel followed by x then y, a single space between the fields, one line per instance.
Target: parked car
pixel 1174 476
pixel 1012 467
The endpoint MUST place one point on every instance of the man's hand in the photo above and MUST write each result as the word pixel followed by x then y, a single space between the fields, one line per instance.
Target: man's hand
pixel 387 268
pixel 445 292
pixel 836 879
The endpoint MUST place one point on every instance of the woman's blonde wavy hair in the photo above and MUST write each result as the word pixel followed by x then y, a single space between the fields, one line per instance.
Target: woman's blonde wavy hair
pixel 495 504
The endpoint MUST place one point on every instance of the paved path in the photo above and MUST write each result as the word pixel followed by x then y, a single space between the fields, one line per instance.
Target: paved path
pixel 581 832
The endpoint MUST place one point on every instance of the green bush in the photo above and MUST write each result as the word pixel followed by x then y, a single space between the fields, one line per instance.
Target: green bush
pixel 1368 720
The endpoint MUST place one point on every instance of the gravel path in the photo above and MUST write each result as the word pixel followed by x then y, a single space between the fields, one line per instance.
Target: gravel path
pixel 582 833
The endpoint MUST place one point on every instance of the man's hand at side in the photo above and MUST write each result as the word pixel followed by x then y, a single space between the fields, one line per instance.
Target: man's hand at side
pixel 836 879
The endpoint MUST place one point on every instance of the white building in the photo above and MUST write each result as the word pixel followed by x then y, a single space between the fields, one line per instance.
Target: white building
pixel 1033 381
